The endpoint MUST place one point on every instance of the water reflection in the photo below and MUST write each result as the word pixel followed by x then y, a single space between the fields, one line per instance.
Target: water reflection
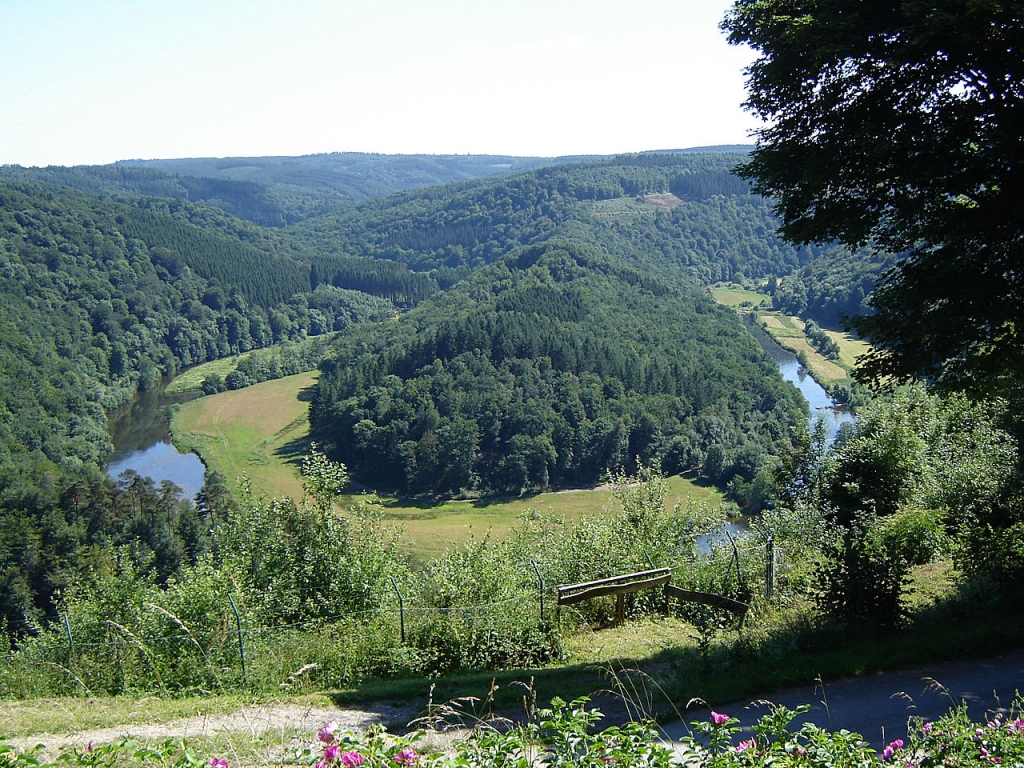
pixel 140 431
pixel 162 461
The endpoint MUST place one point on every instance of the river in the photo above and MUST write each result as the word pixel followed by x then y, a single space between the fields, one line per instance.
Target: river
pixel 822 406
pixel 140 431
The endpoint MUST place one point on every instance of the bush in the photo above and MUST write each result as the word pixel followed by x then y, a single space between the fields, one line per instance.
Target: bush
pixel 863 576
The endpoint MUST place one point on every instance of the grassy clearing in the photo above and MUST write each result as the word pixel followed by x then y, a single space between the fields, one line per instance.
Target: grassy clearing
pixel 624 210
pixel 261 430
pixel 193 377
pixel 431 527
pixel 734 296
pixel 788 331
pixel 849 348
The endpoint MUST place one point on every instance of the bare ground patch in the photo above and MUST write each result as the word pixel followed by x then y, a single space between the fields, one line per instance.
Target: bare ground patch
pixel 290 722
pixel 663 202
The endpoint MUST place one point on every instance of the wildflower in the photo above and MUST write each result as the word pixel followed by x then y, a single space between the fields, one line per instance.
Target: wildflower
pixel 326 734
pixel 89 746
pixel 332 752
pixel 718 719
pixel 890 750
pixel 743 746
pixel 407 756
pixel 218 762
pixel 1017 726
pixel 927 728
pixel 352 759
pixel 320 764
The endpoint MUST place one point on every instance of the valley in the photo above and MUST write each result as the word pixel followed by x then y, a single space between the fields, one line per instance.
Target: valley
pixel 539 373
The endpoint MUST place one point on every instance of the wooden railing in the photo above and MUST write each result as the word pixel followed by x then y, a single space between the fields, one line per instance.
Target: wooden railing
pixel 633 582
pixel 616 585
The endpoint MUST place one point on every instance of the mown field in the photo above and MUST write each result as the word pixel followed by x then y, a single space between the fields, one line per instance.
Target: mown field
pixel 734 296
pixel 263 431
pixel 788 331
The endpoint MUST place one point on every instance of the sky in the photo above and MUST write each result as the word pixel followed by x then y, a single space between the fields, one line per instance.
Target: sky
pixel 99 81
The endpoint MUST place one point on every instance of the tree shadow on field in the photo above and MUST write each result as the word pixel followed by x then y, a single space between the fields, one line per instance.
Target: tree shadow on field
pixel 295 451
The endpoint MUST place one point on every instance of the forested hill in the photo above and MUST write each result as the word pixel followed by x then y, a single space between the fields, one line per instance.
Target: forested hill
pixel 678 210
pixel 553 366
pixel 100 297
pixel 275 191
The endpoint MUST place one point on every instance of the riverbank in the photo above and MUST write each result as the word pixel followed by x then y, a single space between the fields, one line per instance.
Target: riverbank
pixel 789 332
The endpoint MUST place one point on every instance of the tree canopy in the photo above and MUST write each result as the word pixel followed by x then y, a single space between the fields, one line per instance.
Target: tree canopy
pixel 897 125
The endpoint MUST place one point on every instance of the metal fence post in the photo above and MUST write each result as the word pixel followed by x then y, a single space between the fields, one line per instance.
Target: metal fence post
pixel 401 606
pixel 769 567
pixel 540 581
pixel 71 640
pixel 241 643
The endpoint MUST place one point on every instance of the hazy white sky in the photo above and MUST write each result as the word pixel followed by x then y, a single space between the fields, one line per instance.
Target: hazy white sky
pixel 99 81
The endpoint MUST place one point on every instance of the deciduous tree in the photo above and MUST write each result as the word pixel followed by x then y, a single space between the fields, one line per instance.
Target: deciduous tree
pixel 897 124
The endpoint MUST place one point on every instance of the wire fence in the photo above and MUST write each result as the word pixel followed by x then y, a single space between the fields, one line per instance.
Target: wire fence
pixel 162 652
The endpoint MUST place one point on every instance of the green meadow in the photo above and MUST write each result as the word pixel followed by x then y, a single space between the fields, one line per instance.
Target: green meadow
pixel 736 297
pixel 262 431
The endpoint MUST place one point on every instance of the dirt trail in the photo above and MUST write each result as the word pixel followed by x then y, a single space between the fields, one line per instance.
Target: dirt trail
pixel 250 721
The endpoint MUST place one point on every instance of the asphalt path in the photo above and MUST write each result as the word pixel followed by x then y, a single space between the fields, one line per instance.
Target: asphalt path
pixel 879 706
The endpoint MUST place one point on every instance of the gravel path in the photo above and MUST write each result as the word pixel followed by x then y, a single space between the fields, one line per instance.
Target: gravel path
pixel 879 706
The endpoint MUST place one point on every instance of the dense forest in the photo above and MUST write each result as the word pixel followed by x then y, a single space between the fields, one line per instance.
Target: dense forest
pixel 100 298
pixel 555 327
pixel 684 211
pixel 554 366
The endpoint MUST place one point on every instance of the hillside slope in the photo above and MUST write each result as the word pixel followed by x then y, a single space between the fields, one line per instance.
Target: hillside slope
pixel 553 366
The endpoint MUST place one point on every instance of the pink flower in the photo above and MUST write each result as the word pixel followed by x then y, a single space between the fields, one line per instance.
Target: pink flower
pixel 218 762
pixel 743 746
pixel 407 757
pixel 320 764
pixel 89 746
pixel 331 752
pixel 718 718
pixel 1017 726
pixel 890 750
pixel 326 734
pixel 352 759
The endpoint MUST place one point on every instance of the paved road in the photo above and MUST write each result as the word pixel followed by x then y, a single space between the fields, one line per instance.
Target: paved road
pixel 878 706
